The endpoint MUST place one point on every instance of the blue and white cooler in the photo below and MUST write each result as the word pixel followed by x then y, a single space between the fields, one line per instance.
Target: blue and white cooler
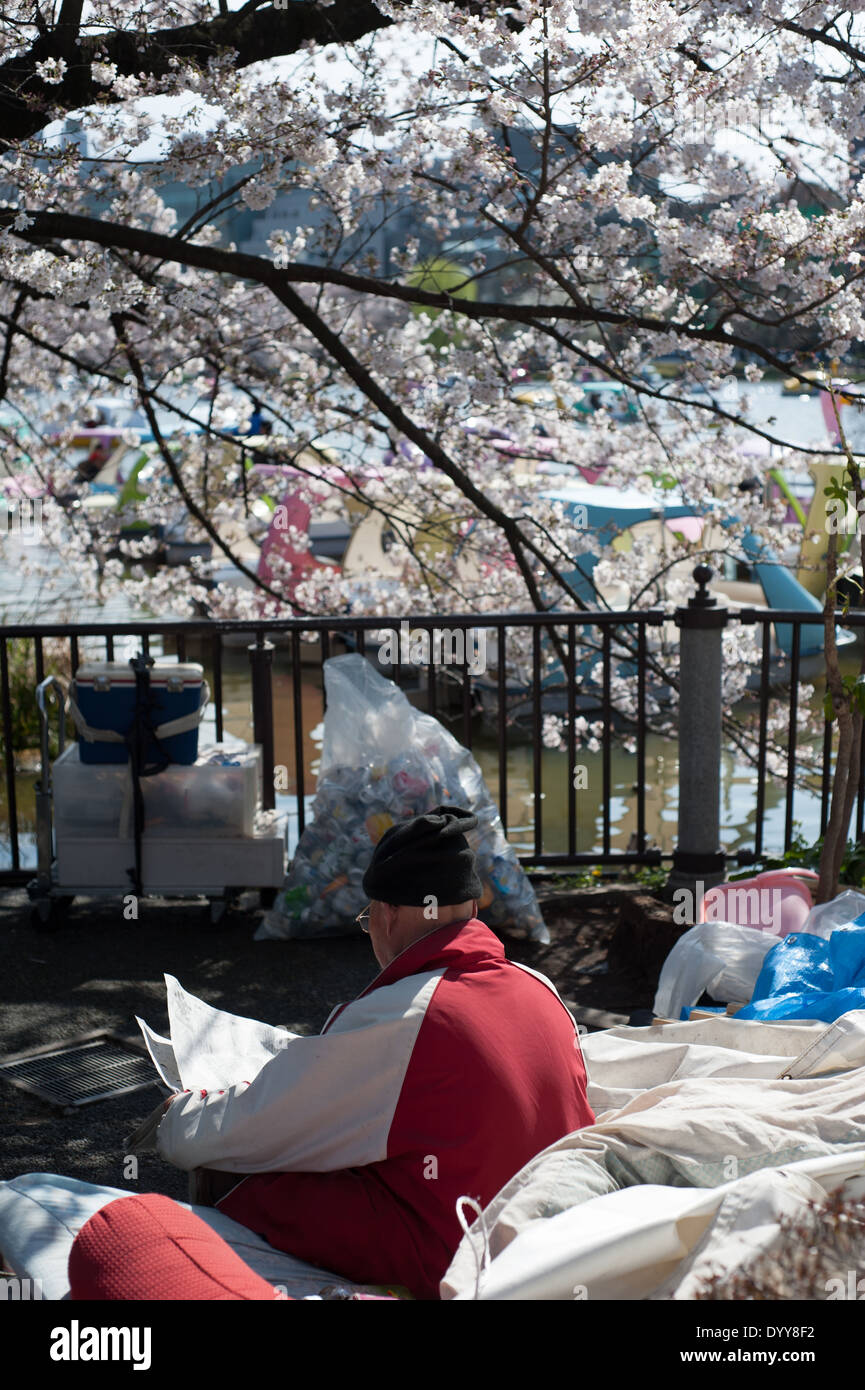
pixel 102 703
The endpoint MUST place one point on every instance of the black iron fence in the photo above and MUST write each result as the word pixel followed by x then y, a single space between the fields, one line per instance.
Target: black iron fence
pixel 600 649
pixel 766 619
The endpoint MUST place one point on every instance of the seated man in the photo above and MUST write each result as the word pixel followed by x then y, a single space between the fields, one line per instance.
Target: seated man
pixel 447 1073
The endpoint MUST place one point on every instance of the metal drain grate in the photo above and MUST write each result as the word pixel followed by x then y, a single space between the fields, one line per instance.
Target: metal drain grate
pixel 94 1066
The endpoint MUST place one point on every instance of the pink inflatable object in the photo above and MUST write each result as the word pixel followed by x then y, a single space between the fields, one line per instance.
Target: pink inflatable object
pixel 292 513
pixel 691 527
pixel 776 901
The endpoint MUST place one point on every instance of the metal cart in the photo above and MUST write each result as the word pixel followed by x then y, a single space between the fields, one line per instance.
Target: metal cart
pixel 209 859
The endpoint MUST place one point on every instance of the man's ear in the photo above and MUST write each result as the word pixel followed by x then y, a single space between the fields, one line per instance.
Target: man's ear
pixel 390 918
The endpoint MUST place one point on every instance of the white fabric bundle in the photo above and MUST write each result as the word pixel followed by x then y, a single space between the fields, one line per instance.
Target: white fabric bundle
pixel 724 1126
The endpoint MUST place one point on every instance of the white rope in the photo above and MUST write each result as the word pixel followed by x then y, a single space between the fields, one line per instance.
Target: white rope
pixel 482 1264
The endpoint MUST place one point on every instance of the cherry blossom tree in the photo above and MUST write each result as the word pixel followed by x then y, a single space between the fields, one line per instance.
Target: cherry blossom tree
pixel 617 183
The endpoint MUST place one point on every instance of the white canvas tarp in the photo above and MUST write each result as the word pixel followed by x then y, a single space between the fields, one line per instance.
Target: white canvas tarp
pixel 705 1134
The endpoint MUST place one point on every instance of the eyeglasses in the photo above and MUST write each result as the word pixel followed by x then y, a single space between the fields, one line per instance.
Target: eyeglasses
pixel 362 918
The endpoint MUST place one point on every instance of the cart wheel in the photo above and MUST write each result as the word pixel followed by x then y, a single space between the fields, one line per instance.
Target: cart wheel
pixel 214 913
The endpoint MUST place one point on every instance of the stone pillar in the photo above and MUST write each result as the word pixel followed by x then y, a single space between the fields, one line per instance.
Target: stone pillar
pixel 698 860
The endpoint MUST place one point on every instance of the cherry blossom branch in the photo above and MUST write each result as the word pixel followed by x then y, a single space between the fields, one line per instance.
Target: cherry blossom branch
pixel 251 34
pixel 176 477
pixel 44 227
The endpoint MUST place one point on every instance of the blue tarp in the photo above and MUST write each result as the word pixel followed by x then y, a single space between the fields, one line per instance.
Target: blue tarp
pixel 806 976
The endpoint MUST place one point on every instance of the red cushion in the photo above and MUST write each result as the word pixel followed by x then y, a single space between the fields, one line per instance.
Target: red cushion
pixel 148 1248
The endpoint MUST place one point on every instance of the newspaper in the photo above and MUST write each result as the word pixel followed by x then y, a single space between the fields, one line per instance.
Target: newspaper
pixel 206 1047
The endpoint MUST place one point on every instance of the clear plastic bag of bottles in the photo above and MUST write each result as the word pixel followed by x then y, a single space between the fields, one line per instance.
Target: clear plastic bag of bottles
pixel 382 762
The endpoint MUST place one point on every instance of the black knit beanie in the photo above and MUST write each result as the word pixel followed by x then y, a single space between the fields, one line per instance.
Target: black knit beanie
pixel 427 856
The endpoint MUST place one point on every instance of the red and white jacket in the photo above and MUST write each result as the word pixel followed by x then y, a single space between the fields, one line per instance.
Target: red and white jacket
pixel 448 1073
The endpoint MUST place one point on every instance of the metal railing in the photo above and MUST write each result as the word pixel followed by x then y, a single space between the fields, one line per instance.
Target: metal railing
pixel 450 690
pixel 588 643
pixel 766 618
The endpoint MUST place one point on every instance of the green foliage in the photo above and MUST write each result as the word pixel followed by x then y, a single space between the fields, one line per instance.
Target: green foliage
pixel 839 487
pixel 854 689
pixel 580 878
pixel 26 726
pixel 802 855
pixel 648 875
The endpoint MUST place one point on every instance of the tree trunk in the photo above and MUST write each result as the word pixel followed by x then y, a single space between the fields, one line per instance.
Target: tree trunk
pixel 844 785
pixel 845 705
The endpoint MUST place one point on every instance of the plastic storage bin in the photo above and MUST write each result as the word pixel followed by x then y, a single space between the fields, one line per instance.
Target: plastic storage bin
pixel 178 865
pixel 104 692
pixel 217 797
